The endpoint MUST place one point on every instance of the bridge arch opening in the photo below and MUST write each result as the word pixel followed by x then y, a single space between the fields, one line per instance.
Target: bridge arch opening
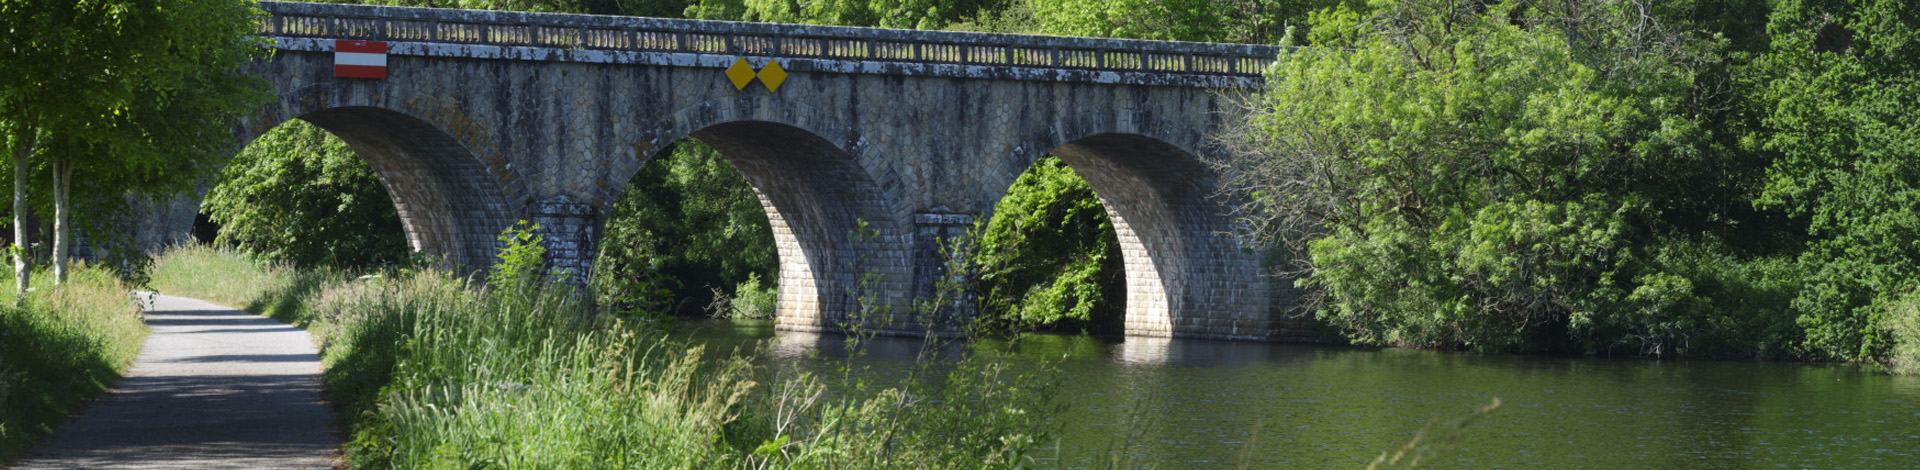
pixel 836 243
pixel 446 202
pixel 687 236
pixel 299 194
pixel 1048 258
pixel 1184 275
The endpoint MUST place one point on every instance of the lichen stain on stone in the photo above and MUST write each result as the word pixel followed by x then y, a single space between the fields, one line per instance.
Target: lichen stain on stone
pixel 463 128
pixel 641 149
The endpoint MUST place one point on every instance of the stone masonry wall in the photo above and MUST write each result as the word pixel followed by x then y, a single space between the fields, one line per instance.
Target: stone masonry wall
pixel 941 296
pixel 571 233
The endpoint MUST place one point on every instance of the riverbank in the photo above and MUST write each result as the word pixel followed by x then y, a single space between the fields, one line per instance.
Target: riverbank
pixel 427 371
pixel 60 347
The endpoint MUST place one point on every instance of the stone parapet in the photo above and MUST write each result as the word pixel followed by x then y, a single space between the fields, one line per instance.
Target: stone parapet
pixel 591 38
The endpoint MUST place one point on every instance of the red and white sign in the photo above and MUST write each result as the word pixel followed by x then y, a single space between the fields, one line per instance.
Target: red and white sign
pixel 359 59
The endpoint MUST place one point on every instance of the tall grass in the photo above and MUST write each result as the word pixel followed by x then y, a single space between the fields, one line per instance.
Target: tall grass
pixel 1903 321
pixel 235 279
pixel 59 347
pixel 430 372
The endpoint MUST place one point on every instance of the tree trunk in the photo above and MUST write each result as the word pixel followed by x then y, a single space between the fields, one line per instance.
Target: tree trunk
pixel 22 148
pixel 62 218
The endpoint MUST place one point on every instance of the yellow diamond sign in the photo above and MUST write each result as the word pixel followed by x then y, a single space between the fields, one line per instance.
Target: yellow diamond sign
pixel 740 73
pixel 772 75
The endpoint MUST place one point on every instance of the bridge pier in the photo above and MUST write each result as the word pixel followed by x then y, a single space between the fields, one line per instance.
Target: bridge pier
pixel 570 231
pixel 943 300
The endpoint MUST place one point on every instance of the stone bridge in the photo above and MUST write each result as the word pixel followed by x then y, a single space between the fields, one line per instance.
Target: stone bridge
pixel 485 118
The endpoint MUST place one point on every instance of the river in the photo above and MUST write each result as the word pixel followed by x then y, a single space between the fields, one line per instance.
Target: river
pixel 1159 403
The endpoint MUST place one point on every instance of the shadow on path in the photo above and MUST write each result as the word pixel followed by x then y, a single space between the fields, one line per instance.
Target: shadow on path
pixel 212 388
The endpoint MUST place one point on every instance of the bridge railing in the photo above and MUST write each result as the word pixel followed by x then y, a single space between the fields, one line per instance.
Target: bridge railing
pixel 567 31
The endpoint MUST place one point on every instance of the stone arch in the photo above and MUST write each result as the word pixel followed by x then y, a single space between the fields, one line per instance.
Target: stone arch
pixel 809 174
pixel 451 203
pixel 1186 276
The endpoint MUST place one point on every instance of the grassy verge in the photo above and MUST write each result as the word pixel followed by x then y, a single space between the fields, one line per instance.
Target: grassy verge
pixel 233 279
pixel 59 347
pixel 429 372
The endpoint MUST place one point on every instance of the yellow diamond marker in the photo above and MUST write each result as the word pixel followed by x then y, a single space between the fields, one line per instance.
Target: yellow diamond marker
pixel 740 73
pixel 772 75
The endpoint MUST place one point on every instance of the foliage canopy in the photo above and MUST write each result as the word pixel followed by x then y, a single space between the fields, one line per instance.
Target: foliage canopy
pixel 299 194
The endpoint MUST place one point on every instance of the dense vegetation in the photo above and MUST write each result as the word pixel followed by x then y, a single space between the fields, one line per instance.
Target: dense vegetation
pixel 300 195
pixel 687 231
pixel 1671 178
pixel 1838 93
pixel 1049 256
pixel 59 347
pixel 427 372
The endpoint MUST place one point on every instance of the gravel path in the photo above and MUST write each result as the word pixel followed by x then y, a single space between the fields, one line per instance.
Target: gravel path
pixel 213 388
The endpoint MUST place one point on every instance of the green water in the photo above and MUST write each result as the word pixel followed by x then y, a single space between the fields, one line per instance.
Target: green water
pixel 1157 403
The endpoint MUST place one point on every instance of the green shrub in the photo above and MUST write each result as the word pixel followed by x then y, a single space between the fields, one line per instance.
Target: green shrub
pixel 753 300
pixel 1493 176
pixel 1744 307
pixel 522 256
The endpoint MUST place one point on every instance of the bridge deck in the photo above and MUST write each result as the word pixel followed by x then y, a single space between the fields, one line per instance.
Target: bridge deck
pixel 987 55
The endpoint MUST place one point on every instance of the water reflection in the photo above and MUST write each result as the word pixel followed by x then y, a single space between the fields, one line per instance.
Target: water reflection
pixel 792 345
pixel 1170 351
pixel 1166 403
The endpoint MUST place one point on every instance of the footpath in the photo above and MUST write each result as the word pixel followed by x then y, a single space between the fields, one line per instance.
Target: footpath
pixel 213 388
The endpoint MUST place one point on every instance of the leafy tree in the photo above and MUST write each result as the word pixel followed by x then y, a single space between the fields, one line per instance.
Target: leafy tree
pixel 914 14
pixel 1486 175
pixel 118 90
pixel 686 224
pixel 1839 93
pixel 653 8
pixel 301 195
pixel 1049 255
pixel 1241 21
pixel 545 6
